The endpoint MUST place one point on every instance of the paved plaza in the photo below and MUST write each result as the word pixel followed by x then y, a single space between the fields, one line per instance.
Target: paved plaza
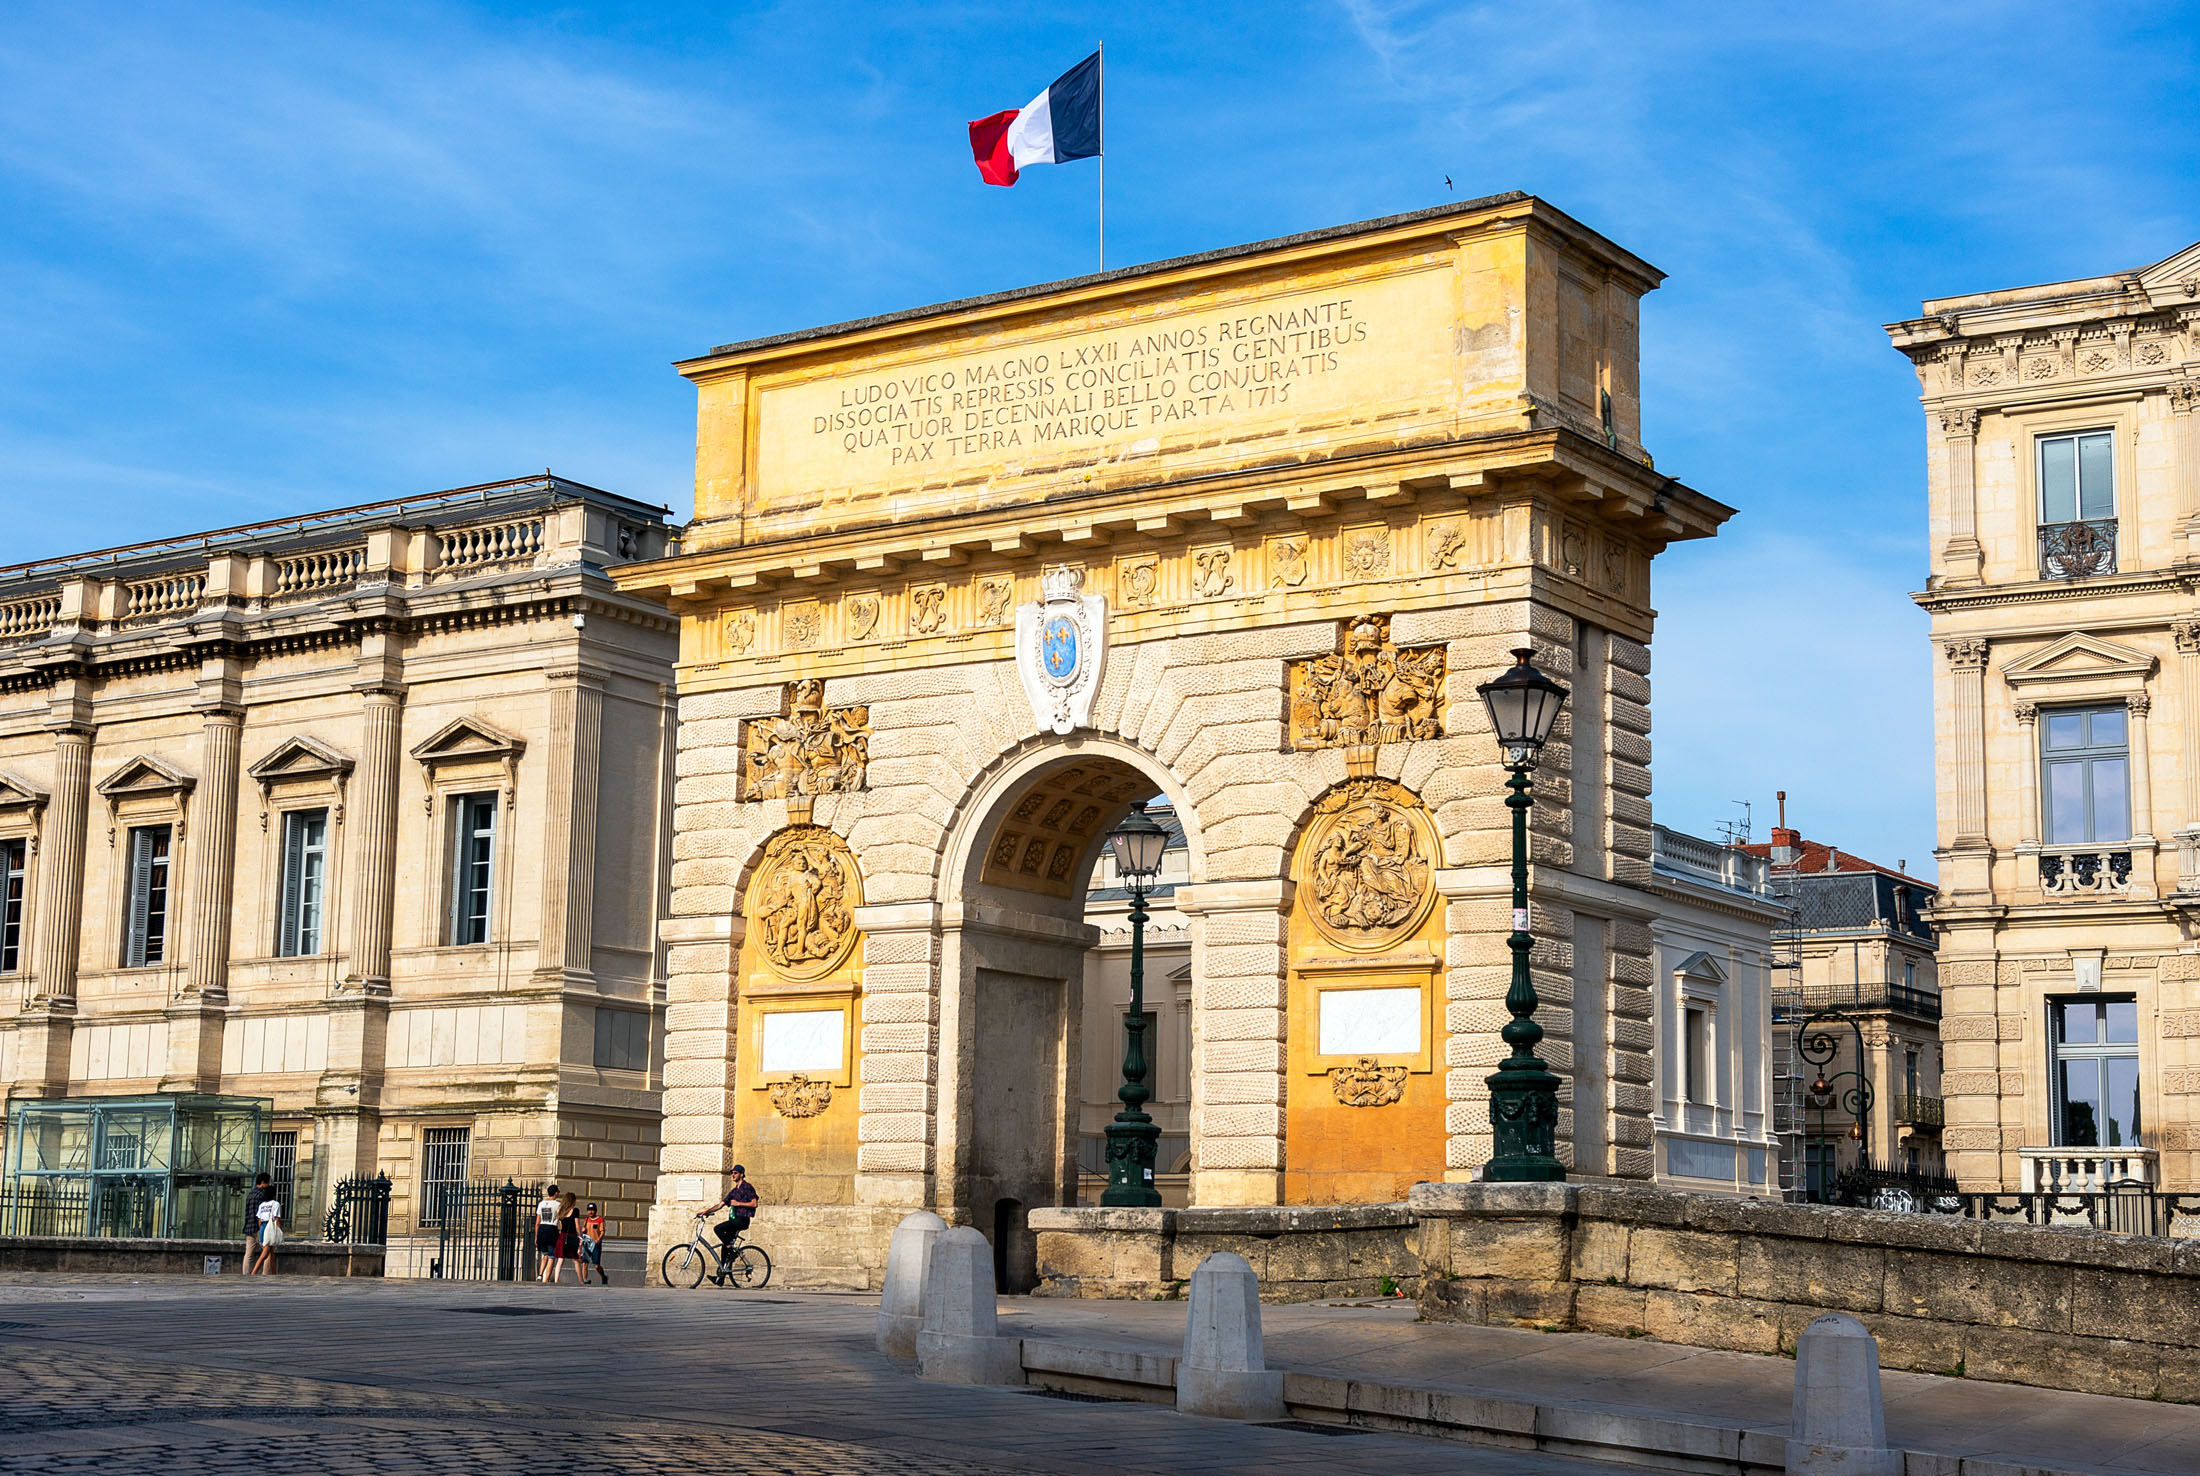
pixel 182 1376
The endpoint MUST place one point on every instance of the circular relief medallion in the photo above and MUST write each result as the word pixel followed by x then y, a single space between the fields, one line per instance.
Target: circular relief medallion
pixel 802 903
pixel 1060 649
pixel 1369 872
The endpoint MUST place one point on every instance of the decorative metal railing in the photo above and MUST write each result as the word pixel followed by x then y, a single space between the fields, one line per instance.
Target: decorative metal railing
pixel 482 1232
pixel 323 569
pixel 360 1211
pixel 490 543
pixel 1870 994
pixel 1921 1112
pixel 20 620
pixel 2078 550
pixel 2130 1211
pixel 2087 871
pixel 144 599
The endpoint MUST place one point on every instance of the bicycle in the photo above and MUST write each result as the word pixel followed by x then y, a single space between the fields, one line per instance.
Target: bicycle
pixel 739 1264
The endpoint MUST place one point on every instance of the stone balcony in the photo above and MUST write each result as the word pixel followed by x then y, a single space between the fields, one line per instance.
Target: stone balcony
pixel 2085 1170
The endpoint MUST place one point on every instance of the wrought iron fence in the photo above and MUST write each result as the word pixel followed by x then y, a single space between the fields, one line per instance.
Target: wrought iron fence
pixel 482 1234
pixel 1922 1112
pixel 50 1207
pixel 2122 1209
pixel 360 1211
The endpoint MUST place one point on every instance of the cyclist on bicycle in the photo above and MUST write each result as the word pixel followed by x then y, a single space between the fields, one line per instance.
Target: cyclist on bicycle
pixel 741 1201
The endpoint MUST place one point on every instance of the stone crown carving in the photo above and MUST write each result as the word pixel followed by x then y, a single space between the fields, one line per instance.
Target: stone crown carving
pixel 1366 1083
pixel 803 900
pixel 808 750
pixel 800 1096
pixel 1368 691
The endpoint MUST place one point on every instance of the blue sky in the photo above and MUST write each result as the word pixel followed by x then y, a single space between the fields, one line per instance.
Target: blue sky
pixel 258 260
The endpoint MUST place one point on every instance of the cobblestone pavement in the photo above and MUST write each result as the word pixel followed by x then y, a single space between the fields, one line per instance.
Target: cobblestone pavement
pixel 189 1377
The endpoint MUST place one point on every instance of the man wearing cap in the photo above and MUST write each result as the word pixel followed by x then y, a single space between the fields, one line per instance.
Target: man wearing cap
pixel 741 1200
pixel 592 1246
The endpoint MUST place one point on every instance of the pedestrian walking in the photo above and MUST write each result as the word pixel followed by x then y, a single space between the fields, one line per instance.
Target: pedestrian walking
pixel 546 1233
pixel 270 1215
pixel 592 1246
pixel 569 1236
pixel 261 1192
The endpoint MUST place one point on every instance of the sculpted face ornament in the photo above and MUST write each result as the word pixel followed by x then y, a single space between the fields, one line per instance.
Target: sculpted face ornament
pixel 1060 643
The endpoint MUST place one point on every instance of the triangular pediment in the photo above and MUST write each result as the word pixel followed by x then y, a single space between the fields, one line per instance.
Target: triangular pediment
pixel 1702 967
pixel 2078 658
pixel 300 758
pixel 2173 270
pixel 468 738
pixel 18 793
pixel 146 775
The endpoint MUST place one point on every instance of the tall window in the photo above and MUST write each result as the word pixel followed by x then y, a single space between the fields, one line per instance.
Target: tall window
pixel 1696 1054
pixel 473 852
pixel 11 904
pixel 1909 1074
pixel 2096 1045
pixel 2086 755
pixel 622 1040
pixel 145 920
pixel 442 1171
pixel 2077 477
pixel 305 880
pixel 281 1162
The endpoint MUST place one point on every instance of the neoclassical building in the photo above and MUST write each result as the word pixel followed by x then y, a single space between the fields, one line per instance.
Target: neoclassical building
pixel 2065 543
pixel 359 813
pixel 1243 530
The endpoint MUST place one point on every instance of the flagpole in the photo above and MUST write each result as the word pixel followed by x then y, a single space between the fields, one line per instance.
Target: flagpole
pixel 1102 52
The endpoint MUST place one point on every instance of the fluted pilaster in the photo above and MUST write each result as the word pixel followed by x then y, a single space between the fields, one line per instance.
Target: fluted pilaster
pixel 374 825
pixel 210 877
pixel 57 927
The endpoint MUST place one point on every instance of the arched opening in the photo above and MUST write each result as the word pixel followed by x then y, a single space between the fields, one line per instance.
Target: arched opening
pixel 1036 956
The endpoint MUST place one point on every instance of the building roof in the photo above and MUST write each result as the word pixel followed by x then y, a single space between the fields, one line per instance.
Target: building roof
pixel 1816 857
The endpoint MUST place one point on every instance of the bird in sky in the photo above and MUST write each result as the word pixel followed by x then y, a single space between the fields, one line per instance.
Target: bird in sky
pixel 1447 181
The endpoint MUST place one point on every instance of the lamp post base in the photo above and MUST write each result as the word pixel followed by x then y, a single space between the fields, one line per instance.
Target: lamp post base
pixel 1132 1141
pixel 1524 1123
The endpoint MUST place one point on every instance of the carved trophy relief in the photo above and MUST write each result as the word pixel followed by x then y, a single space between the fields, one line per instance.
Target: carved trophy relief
pixel 804 895
pixel 740 632
pixel 1368 691
pixel 1365 1083
pixel 808 750
pixel 863 612
pixel 1287 563
pixel 1446 541
pixel 996 600
pixel 1213 577
pixel 928 608
pixel 800 1096
pixel 1371 869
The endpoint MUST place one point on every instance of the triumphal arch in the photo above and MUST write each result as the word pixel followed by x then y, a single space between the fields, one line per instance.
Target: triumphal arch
pixel 1244 530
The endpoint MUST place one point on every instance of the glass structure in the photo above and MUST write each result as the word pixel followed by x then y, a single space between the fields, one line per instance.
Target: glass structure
pixel 166 1167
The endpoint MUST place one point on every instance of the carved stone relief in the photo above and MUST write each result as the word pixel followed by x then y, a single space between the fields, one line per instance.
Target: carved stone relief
pixel 740 632
pixel 863 612
pixel 928 608
pixel 800 1096
pixel 1213 577
pixel 996 600
pixel 1139 578
pixel 1370 877
pixel 803 625
pixel 802 902
pixel 1369 691
pixel 809 750
pixel 1366 1084
pixel 1287 566
pixel 1445 543
pixel 1367 552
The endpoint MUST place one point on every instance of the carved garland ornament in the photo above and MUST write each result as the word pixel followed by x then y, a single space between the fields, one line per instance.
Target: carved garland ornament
pixel 1369 691
pixel 809 750
pixel 1366 1084
pixel 1370 874
pixel 800 1096
pixel 803 899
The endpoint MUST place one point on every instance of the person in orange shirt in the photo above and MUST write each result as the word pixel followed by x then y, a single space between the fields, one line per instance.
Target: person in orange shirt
pixel 592 1247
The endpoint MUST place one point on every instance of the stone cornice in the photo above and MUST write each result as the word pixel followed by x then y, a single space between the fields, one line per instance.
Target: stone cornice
pixel 2055 591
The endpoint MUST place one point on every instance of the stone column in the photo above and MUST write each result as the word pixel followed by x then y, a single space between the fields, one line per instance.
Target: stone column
pixel 1970 850
pixel 2187 634
pixel 1962 560
pixel 374 830
pixel 57 928
pixel 2028 773
pixel 196 1015
pixel 2184 401
pixel 2142 779
pixel 1239 981
pixel 569 826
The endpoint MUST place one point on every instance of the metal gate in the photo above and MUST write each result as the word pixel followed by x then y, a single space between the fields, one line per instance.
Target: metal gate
pixel 482 1236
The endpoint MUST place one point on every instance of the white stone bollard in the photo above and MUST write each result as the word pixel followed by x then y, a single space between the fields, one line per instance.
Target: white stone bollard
pixel 1224 1372
pixel 960 1342
pixel 908 1268
pixel 1839 1426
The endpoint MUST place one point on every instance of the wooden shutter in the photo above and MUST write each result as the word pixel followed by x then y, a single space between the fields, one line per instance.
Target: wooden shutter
pixel 294 859
pixel 140 898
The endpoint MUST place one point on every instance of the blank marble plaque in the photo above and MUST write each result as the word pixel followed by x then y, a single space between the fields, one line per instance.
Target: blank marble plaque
pixel 1370 1022
pixel 802 1040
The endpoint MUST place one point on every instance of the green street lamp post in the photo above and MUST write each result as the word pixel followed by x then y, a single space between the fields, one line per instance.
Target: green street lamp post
pixel 1523 705
pixel 1138 843
pixel 1815 1044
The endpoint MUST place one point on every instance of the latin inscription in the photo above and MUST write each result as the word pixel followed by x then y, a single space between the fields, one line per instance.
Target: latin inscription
pixel 1075 390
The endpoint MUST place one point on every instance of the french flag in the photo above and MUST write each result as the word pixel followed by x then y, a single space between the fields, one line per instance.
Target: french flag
pixel 1060 124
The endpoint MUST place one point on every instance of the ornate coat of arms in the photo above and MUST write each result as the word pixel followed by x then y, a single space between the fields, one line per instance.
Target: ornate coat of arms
pixel 1060 644
pixel 1370 691
pixel 811 749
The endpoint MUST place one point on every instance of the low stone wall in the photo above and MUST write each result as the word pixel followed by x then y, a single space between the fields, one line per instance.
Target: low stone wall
pixel 180 1257
pixel 2059 1309
pixel 1300 1254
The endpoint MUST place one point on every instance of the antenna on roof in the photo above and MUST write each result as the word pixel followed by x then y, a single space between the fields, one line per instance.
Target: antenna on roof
pixel 1736 832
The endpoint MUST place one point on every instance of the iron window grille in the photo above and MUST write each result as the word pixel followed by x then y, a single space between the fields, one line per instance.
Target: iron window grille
pixel 443 1155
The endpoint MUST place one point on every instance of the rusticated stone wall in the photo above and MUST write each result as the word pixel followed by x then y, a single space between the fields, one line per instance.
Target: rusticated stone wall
pixel 2059 1309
